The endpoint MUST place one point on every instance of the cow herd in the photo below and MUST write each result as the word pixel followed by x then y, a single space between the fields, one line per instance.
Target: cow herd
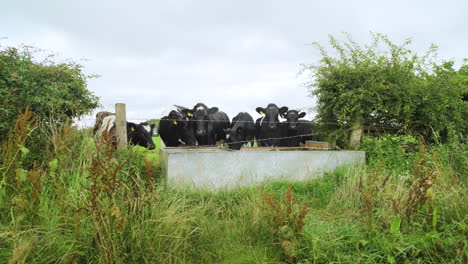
pixel 137 134
pixel 205 126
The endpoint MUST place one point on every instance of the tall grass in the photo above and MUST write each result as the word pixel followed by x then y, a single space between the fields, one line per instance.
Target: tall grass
pixel 93 204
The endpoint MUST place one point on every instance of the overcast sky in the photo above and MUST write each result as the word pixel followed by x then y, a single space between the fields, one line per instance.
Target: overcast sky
pixel 235 55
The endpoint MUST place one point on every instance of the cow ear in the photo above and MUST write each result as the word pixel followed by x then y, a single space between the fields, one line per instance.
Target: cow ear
pixel 131 126
pixel 260 110
pixel 302 114
pixel 213 110
pixel 187 112
pixel 152 126
pixel 283 110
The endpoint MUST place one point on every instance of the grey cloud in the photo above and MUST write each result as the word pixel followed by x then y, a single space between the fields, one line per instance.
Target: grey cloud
pixel 236 55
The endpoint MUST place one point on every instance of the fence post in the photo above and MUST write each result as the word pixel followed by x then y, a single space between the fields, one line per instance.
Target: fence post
pixel 121 125
pixel 356 135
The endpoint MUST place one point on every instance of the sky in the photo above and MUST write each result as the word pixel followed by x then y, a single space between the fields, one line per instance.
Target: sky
pixel 235 55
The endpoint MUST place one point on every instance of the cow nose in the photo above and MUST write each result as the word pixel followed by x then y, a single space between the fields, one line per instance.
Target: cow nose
pixel 152 147
pixel 200 132
pixel 292 126
pixel 272 125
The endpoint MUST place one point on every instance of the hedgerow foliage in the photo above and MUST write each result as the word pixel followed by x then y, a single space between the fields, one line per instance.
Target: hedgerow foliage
pixel 55 92
pixel 388 88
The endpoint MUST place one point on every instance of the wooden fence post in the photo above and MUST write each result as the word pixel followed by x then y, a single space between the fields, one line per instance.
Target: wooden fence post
pixel 121 125
pixel 356 135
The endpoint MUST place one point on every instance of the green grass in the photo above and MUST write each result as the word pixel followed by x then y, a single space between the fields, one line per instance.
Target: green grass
pixel 358 215
pixel 151 156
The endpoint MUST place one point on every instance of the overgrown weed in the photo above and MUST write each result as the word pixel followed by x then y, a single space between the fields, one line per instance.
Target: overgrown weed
pixel 288 217
pixel 93 204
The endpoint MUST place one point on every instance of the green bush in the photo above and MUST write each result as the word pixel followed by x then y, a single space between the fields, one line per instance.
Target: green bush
pixel 390 151
pixel 387 88
pixel 55 92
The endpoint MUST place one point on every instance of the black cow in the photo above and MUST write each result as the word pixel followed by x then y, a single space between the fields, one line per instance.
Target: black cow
pixel 137 134
pixel 175 127
pixel 296 131
pixel 269 130
pixel 209 124
pixel 242 131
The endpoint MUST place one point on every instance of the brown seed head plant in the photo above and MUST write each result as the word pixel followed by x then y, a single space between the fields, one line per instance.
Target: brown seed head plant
pixel 288 217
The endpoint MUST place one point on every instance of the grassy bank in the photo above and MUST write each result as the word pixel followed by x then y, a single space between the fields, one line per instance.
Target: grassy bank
pixel 90 204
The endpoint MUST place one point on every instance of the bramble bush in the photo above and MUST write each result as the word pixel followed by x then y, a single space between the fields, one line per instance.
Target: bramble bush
pixel 388 89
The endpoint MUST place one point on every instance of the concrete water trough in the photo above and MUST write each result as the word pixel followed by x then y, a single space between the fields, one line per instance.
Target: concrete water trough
pixel 218 168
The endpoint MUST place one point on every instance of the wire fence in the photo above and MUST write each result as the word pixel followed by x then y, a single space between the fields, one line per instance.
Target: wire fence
pixel 93 121
pixel 86 123
pixel 90 122
pixel 264 139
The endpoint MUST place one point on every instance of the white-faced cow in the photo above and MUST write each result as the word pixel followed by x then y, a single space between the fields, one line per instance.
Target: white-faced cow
pixel 269 130
pixel 176 128
pixel 296 131
pixel 209 124
pixel 137 134
pixel 242 131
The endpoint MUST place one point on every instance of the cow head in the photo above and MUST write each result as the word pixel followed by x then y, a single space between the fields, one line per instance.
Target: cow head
pixel 200 117
pixel 271 113
pixel 141 134
pixel 292 116
pixel 235 137
pixel 181 120
pixel 186 124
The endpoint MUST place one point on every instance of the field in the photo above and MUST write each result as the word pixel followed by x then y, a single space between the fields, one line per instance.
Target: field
pixel 91 204
pixel 151 155
pixel 68 198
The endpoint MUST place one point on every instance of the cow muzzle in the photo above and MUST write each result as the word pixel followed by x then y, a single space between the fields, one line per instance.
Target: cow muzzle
pixel 200 132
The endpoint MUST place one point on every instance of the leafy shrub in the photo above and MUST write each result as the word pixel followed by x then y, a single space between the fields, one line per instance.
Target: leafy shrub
pixel 387 88
pixel 55 91
pixel 390 151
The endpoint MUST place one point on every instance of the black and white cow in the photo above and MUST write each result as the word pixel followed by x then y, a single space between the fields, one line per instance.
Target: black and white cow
pixel 137 134
pixel 176 128
pixel 209 124
pixel 242 131
pixel 296 131
pixel 269 130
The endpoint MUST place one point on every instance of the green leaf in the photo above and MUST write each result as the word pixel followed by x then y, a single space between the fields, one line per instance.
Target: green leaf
pixel 24 152
pixel 53 165
pixel 395 226
pixel 434 218
pixel 363 242
pixel 22 174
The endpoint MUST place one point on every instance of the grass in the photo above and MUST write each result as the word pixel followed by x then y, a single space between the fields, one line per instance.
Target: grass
pixel 151 156
pixel 73 210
